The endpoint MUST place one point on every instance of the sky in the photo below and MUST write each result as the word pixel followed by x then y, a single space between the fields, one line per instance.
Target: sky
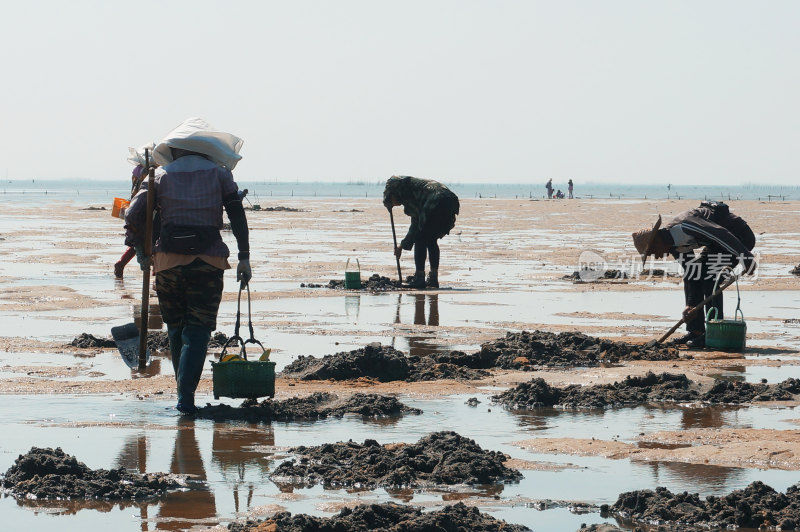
pixel 462 91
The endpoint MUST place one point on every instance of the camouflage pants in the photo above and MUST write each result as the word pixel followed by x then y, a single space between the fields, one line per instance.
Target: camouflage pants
pixel 190 295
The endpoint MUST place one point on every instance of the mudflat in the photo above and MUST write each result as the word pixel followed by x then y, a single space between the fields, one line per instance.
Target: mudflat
pixel 510 315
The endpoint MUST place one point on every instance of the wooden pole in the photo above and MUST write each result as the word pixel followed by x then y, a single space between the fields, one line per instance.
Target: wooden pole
pixel 394 237
pixel 148 252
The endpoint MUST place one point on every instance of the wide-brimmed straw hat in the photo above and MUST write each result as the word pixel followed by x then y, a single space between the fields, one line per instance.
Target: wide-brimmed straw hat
pixel 643 240
pixel 197 135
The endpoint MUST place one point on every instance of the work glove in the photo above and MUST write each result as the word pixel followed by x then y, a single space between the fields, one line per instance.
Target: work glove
pixel 243 273
pixel 141 258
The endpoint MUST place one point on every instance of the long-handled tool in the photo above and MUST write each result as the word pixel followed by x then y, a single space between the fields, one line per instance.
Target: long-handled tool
pixel 132 343
pixel 699 308
pixel 394 237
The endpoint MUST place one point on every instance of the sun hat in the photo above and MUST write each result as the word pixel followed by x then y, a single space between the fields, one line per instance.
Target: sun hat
pixel 643 240
pixel 195 134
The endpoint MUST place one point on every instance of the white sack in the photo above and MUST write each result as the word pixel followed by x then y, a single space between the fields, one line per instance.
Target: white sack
pixel 195 134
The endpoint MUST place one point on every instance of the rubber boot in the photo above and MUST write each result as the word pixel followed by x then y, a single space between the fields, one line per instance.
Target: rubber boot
pixel 190 365
pixel 418 281
pixel 433 279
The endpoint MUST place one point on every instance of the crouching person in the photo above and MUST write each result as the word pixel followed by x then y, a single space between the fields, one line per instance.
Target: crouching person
pixel 191 188
pixel 433 209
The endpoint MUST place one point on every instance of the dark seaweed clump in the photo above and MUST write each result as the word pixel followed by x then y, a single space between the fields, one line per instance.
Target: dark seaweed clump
pixel 650 388
pixel 318 405
pixel 633 390
pixel 53 474
pixel 756 506
pixel 386 517
pixel 86 341
pixel 526 350
pixel 439 458
pixel 379 362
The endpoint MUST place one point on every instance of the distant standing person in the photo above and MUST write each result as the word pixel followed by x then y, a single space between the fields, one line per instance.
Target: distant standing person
pixel 569 188
pixel 433 209
pixel 549 187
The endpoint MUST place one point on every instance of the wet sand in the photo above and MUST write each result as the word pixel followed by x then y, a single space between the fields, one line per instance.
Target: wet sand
pixel 502 269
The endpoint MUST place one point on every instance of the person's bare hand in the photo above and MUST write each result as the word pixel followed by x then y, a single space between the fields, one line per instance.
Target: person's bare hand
pixel 398 251
pixel 687 311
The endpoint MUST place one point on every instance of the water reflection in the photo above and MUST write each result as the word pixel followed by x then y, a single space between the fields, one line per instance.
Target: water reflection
pixel 696 477
pixel 421 345
pixel 352 306
pixel 196 505
pixel 238 450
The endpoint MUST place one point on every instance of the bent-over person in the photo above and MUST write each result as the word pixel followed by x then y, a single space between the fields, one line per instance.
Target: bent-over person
pixel 727 240
pixel 433 209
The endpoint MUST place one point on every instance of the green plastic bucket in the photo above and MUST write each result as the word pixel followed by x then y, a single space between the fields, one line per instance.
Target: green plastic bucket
pixel 352 279
pixel 726 335
pixel 243 379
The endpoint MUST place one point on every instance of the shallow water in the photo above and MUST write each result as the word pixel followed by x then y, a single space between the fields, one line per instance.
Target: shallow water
pixel 234 459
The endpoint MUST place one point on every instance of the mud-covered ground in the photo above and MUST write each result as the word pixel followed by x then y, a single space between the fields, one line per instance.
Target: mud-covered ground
pixel 756 506
pixel 489 290
pixel 523 350
pixel 528 349
pixel 388 517
pixel 650 388
pixel 374 283
pixel 53 474
pixel 156 341
pixel 379 362
pixel 318 405
pixel 441 458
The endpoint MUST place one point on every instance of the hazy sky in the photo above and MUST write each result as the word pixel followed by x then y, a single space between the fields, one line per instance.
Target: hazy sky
pixel 462 91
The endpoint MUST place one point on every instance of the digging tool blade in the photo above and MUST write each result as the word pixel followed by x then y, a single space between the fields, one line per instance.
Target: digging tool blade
pixel 127 340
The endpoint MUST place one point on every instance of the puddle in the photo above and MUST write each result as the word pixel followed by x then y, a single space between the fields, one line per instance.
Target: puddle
pixel 235 459
pixel 756 374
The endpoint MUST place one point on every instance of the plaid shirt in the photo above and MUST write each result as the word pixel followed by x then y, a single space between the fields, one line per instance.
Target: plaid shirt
pixel 419 198
pixel 188 191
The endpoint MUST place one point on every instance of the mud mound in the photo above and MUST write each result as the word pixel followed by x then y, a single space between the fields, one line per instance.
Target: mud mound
pixel 633 390
pixel 53 474
pixel 439 458
pixel 651 388
pixel 318 405
pixel 524 350
pixel 756 506
pixel 375 283
pixel 376 361
pixel 590 275
pixel 386 517
pixel 86 340
pixel 745 392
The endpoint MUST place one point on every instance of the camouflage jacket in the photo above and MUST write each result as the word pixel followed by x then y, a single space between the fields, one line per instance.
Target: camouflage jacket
pixel 419 198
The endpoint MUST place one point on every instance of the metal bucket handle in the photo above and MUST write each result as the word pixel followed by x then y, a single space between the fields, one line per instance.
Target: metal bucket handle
pixel 738 297
pixel 243 343
pixel 346 264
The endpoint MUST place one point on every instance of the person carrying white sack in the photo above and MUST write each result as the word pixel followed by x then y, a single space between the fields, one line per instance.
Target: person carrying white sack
pixel 192 187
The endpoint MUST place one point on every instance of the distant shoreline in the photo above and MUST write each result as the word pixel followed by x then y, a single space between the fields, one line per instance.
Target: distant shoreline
pixel 102 191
